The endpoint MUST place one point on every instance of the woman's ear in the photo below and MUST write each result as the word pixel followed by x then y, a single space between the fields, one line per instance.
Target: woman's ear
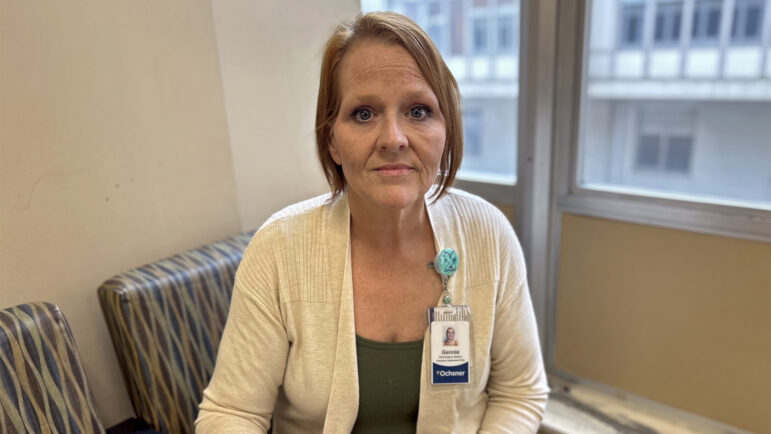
pixel 333 152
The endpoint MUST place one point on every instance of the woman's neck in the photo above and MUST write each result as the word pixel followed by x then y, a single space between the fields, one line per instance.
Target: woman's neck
pixel 389 229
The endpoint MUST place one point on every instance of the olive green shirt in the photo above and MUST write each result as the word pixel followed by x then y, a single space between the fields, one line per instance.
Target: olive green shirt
pixel 389 386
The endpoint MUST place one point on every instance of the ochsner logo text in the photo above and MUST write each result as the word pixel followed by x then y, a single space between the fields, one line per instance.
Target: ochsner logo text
pixel 450 373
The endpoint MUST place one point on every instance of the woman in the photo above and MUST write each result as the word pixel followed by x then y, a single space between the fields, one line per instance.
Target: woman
pixel 449 338
pixel 330 288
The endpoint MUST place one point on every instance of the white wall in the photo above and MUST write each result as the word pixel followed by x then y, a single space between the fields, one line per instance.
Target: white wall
pixel 270 55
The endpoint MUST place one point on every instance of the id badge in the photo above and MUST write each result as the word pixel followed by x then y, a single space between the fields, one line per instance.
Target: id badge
pixel 450 328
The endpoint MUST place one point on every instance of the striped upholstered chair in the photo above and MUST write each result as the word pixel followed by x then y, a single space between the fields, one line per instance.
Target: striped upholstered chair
pixel 44 389
pixel 166 320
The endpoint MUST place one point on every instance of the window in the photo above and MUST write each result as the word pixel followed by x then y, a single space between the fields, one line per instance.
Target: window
pixel 747 19
pixel 706 21
pixel 660 151
pixel 480 35
pixel 689 139
pixel 678 154
pixel 668 17
pixel 435 24
pixel 456 28
pixel 648 152
pixel 665 136
pixel 632 25
pixel 506 34
pixel 664 153
pixel 472 133
pixel 435 33
pixel 479 40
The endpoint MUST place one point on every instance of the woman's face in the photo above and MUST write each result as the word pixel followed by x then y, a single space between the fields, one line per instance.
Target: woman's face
pixel 450 334
pixel 389 134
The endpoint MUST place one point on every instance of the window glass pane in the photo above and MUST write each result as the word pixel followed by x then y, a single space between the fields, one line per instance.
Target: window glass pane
pixel 713 23
pixel 706 20
pixel 753 23
pixel 480 35
pixel 505 33
pixel 472 133
pixel 678 154
pixel 456 27
pixel 747 20
pixel 735 25
pixel 631 30
pixel 668 18
pixel 479 40
pixel 435 33
pixel 659 35
pixel 694 122
pixel 648 152
pixel 697 24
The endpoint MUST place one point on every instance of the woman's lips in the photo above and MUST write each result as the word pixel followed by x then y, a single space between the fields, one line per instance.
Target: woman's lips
pixel 394 169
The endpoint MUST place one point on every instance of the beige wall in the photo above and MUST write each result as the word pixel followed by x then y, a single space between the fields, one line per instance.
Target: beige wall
pixel 678 317
pixel 115 148
pixel 270 55
pixel 114 153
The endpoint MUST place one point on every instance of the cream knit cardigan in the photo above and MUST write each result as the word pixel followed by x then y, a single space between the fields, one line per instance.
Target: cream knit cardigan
pixel 289 350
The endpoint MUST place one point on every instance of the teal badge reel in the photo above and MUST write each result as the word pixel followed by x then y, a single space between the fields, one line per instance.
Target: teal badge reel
pixel 446 264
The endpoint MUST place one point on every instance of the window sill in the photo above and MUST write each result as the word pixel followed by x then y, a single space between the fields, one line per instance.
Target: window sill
pixel 724 219
pixel 581 408
pixel 491 189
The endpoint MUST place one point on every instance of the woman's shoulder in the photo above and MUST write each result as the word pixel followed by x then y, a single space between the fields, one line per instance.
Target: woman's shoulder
pixel 300 210
pixel 288 238
pixel 301 218
pixel 472 208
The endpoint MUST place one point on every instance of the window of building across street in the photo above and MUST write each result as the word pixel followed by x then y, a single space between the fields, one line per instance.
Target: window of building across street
pixel 479 41
pixel 686 118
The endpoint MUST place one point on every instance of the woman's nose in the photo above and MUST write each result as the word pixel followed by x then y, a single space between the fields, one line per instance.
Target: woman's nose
pixel 392 137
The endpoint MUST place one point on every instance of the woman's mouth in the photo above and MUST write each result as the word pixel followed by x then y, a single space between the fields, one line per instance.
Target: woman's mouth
pixel 394 169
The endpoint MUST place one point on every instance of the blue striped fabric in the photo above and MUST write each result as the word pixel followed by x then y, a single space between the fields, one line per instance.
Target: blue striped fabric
pixel 44 388
pixel 166 320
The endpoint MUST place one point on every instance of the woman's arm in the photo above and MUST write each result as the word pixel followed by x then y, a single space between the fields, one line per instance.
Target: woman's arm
pixel 517 388
pixel 252 354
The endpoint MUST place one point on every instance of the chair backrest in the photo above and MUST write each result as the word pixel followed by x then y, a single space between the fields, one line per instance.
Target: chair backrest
pixel 166 320
pixel 44 388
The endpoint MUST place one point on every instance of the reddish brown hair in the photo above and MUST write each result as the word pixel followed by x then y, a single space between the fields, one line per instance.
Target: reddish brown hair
pixel 397 29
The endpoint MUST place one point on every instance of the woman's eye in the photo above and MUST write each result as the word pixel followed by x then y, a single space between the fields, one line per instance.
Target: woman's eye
pixel 419 112
pixel 362 114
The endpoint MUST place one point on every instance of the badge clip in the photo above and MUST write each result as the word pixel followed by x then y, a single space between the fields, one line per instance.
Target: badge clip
pixel 446 264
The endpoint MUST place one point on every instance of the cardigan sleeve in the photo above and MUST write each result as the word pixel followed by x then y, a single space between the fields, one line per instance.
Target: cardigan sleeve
pixel 252 355
pixel 517 388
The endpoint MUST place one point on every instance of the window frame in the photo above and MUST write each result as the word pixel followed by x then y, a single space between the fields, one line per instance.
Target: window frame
pixel 722 218
pixel 677 211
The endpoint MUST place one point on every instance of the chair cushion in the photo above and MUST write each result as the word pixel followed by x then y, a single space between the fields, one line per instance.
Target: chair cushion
pixel 44 388
pixel 166 320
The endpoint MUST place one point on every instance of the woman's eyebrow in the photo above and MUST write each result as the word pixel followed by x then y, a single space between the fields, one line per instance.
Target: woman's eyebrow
pixel 422 95
pixel 364 97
